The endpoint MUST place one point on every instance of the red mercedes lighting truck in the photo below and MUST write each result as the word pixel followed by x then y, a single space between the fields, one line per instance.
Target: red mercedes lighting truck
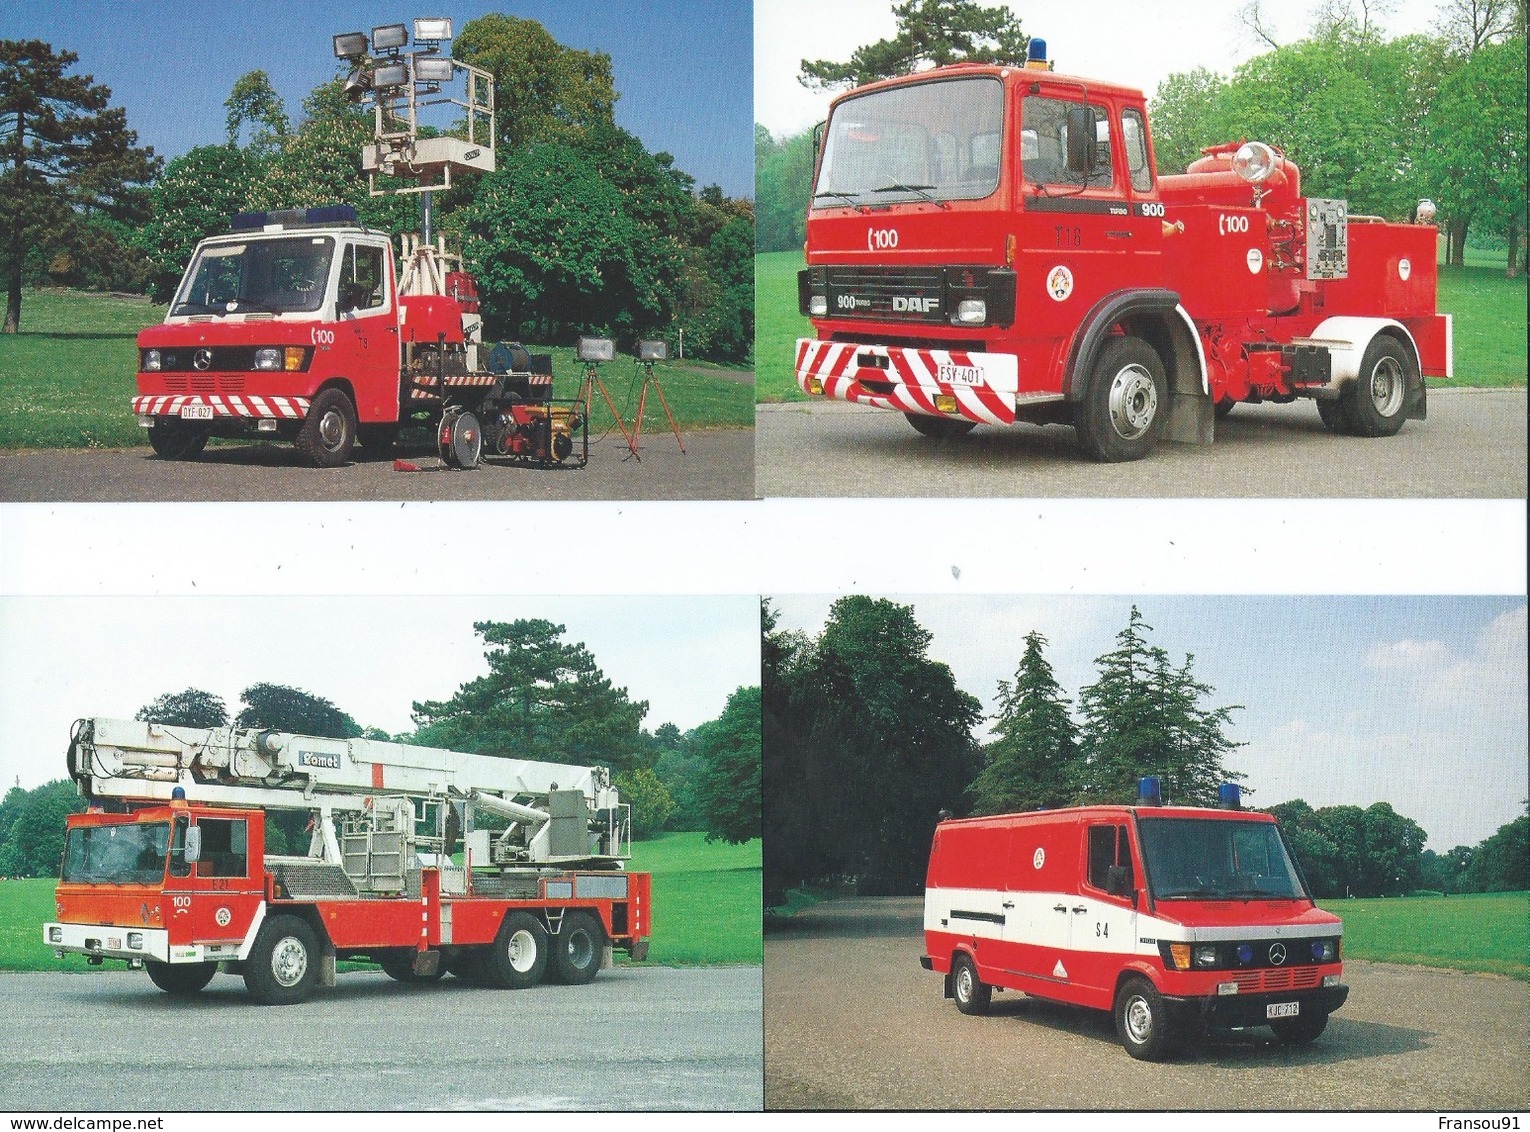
pixel 992 244
pixel 169 869
pixel 1173 917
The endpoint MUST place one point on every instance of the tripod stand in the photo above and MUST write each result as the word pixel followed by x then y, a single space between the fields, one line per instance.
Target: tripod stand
pixel 592 382
pixel 651 378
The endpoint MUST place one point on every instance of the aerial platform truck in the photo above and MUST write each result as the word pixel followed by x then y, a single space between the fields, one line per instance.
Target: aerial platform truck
pixel 502 872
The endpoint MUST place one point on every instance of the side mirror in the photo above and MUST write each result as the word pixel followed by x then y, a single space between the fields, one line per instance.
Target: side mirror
pixel 1083 147
pixel 818 137
pixel 1118 881
pixel 193 851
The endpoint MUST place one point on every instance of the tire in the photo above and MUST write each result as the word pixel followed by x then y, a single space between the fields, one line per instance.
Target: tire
pixel 1376 402
pixel 172 439
pixel 329 431
pixel 940 428
pixel 377 440
pixel 1126 403
pixel 460 439
pixel 180 979
pixel 1224 407
pixel 576 949
pixel 1301 1030
pixel 399 966
pixel 1142 1021
pixel 467 965
pixel 518 957
pixel 284 963
pixel 972 995
pixel 1335 416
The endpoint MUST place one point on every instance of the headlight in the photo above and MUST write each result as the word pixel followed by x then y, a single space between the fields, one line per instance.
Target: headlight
pixel 55 935
pixel 135 940
pixel 972 312
pixel 268 357
pixel 1205 955
pixel 1323 950
pixel 1255 161
pixel 818 305
pixel 151 360
pixel 1330 980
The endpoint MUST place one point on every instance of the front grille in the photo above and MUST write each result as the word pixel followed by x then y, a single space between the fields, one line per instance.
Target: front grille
pixel 202 384
pixel 1276 979
pixel 895 294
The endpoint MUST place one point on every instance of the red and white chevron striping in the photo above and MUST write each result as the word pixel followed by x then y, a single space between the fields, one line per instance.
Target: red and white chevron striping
pixel 280 408
pixel 912 375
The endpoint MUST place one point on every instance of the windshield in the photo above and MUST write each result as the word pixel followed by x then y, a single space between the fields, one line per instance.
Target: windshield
pixel 274 276
pixel 1207 859
pixel 117 854
pixel 928 141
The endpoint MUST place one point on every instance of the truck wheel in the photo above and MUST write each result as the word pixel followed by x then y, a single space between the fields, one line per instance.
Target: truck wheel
pixel 284 963
pixel 971 993
pixel 460 438
pixel 1142 1022
pixel 518 956
pixel 180 979
pixel 576 950
pixel 1301 1030
pixel 377 440
pixel 399 966
pixel 1376 401
pixel 939 428
pixel 172 439
pixel 1224 407
pixel 329 430
pixel 1335 417
pixel 1125 405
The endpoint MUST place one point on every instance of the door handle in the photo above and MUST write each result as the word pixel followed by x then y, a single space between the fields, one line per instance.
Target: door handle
pixel 1008 904
pixel 1080 908
pixel 1059 907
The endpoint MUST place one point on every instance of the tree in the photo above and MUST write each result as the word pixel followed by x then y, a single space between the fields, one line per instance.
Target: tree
pixel 1033 763
pixel 194 199
pixel 1470 24
pixel 191 708
pixel 728 786
pixel 291 709
pixel 254 102
pixel 543 91
pixel 1143 716
pixel 651 803
pixel 1349 851
pixel 867 738
pixel 65 157
pixel 32 832
pixel 543 698
pixel 1184 114
pixel 783 177
pixel 929 33
pixel 1502 862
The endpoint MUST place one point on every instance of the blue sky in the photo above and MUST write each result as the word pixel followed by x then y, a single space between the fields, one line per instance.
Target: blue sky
pixel 1416 701
pixel 683 70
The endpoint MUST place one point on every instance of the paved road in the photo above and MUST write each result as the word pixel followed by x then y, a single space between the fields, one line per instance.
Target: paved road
pixel 635 1038
pixel 718 464
pixel 851 1021
pixel 1472 446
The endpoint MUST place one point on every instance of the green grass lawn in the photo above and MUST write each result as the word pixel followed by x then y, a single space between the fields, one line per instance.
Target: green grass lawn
pixel 1481 932
pixel 706 899
pixel 67 378
pixel 706 907
pixel 1489 328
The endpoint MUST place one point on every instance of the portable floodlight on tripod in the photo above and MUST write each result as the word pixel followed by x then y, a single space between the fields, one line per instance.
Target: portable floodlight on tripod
pixel 593 351
pixel 648 353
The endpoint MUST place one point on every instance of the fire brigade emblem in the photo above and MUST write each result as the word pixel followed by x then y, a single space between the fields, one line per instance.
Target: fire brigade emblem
pixel 1038 858
pixel 223 917
pixel 1404 269
pixel 1060 283
pixel 1255 261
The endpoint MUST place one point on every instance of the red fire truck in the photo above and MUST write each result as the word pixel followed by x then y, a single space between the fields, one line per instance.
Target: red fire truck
pixel 1173 917
pixel 992 244
pixel 169 869
pixel 297 325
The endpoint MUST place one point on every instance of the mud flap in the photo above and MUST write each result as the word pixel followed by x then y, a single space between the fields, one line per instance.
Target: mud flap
pixel 1192 419
pixel 1417 408
pixel 427 963
pixel 327 967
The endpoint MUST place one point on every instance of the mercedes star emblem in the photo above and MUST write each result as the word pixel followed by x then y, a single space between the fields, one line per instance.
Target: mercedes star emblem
pixel 203 359
pixel 1277 954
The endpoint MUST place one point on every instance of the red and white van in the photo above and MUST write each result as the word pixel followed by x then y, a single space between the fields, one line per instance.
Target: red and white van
pixel 1173 917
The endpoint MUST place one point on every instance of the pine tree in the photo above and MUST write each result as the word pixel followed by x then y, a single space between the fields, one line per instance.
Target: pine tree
pixel 1144 716
pixel 1034 761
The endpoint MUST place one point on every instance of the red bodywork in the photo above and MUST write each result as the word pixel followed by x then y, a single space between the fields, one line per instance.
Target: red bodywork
pixel 211 916
pixel 1234 268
